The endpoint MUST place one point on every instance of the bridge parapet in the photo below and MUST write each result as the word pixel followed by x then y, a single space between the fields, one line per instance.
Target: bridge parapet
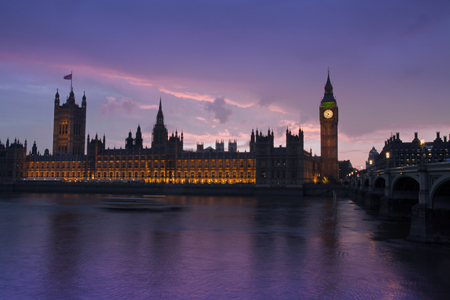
pixel 430 177
pixel 423 190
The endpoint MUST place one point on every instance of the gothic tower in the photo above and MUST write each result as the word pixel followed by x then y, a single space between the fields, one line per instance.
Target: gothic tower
pixel 329 116
pixel 69 126
pixel 160 135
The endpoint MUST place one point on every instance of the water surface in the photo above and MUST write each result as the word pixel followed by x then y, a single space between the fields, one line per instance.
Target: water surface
pixel 57 246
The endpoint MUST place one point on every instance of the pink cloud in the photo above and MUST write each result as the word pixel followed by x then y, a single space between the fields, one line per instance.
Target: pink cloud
pixel 113 105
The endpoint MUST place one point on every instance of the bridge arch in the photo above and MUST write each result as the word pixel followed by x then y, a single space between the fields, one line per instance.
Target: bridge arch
pixel 378 185
pixel 440 193
pixel 405 187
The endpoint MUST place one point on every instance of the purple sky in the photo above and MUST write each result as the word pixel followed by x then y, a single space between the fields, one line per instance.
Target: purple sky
pixel 225 67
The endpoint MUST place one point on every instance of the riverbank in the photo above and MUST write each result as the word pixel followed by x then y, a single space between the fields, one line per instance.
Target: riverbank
pixel 319 190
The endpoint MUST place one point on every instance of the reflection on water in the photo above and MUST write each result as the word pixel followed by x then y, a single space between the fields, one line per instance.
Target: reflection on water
pixel 65 247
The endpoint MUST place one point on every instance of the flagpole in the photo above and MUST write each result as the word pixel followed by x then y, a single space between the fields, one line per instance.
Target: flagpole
pixel 71 80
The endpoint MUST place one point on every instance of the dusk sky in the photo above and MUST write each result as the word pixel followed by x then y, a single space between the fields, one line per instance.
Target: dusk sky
pixel 223 68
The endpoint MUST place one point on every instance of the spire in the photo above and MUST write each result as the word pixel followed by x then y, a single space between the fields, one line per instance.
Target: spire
pixel 328 96
pixel 160 116
pixel 328 86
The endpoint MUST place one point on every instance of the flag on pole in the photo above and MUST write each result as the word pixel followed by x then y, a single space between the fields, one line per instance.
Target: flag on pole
pixel 68 77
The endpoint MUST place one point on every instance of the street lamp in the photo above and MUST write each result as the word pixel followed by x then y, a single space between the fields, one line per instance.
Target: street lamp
pixel 422 146
pixel 387 158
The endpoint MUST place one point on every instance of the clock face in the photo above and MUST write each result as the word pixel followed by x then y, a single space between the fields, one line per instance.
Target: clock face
pixel 328 114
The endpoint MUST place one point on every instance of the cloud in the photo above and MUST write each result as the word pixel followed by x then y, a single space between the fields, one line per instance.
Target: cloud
pixel 188 95
pixel 276 108
pixel 219 109
pixel 146 106
pixel 131 80
pixel 124 104
pixel 205 97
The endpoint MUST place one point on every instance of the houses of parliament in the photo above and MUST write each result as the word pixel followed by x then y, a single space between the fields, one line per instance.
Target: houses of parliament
pixel 77 158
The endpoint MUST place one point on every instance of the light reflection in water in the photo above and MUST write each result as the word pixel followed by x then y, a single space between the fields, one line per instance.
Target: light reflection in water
pixel 63 246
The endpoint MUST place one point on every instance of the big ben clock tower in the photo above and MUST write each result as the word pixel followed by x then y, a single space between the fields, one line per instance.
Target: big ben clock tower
pixel 329 133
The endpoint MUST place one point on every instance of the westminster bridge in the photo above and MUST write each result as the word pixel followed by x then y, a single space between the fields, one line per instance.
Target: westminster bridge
pixel 421 192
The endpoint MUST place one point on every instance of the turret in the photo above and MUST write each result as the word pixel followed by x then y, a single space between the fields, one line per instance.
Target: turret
pixel 34 149
pixel 220 146
pixel 71 98
pixel 232 146
pixel 252 141
pixel 83 102
pixel 129 141
pixel 138 141
pixel 57 98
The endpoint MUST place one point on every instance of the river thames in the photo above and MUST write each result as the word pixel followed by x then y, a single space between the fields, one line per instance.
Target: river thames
pixel 56 246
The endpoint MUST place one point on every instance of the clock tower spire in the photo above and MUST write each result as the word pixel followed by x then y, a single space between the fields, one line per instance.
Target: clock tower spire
pixel 329 114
